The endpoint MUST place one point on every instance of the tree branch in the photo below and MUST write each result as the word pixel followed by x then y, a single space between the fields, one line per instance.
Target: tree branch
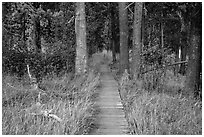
pixel 176 63
pixel 157 68
pixel 129 5
pixel 70 20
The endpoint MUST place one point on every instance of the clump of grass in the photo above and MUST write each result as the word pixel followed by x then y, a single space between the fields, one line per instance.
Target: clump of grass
pixel 55 82
pixel 174 83
pixel 163 81
pixel 69 100
pixel 153 112
pixel 164 115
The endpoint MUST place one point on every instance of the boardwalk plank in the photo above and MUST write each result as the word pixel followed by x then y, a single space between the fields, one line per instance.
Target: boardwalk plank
pixel 111 119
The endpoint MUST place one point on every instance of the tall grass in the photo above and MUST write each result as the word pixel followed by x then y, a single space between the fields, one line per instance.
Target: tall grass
pixel 68 98
pixel 164 115
pixel 154 105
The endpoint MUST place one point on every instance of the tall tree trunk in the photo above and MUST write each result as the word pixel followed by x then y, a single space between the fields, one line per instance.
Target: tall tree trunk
pixel 113 34
pixel 63 7
pixel 160 60
pixel 185 42
pixel 24 30
pixel 162 31
pixel 113 51
pixel 33 71
pixel 194 63
pixel 183 55
pixel 143 27
pixel 80 30
pixel 136 58
pixel 142 37
pixel 176 59
pixel 49 27
pixel 184 46
pixel 124 54
pixel 37 30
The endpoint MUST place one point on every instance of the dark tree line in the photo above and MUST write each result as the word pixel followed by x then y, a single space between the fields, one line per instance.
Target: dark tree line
pixel 159 31
pixel 62 37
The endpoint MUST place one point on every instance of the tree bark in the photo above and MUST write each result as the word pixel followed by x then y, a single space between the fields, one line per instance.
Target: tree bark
pixel 64 7
pixel 162 31
pixel 143 37
pixel 143 27
pixel 37 30
pixel 124 54
pixel 185 35
pixel 161 59
pixel 136 58
pixel 113 35
pixel 183 55
pixel 194 64
pixel 176 68
pixel 80 30
pixel 23 23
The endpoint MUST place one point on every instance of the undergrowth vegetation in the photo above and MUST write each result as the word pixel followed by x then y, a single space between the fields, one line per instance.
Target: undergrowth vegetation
pixel 61 105
pixel 155 105
pixel 161 114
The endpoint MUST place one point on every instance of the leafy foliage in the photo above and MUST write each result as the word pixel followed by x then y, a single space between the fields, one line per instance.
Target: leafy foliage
pixel 19 46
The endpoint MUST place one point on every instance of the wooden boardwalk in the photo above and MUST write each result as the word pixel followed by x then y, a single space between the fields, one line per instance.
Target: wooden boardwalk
pixel 111 118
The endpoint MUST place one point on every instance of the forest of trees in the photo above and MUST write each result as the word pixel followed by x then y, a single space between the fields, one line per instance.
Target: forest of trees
pixel 45 38
pixel 155 53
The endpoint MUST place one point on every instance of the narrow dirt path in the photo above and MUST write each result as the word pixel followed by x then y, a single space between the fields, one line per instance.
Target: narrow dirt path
pixel 111 118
